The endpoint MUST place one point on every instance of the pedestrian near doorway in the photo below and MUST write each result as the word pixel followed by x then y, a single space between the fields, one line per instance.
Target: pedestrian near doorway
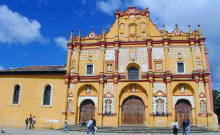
pixel 188 126
pixel 175 127
pixel 26 123
pixel 34 122
pixel 184 127
pixel 30 121
pixel 66 126
pixel 90 126
pixel 94 125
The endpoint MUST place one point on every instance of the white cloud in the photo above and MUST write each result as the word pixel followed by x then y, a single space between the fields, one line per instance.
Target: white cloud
pixel 181 12
pixel 1 68
pixel 109 6
pixel 15 28
pixel 62 42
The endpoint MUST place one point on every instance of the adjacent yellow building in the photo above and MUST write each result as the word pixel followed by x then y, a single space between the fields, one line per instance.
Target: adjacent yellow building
pixel 134 74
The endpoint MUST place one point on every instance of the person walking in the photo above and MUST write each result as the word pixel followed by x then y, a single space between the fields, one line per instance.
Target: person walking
pixel 30 121
pixel 66 126
pixel 94 125
pixel 90 126
pixel 184 127
pixel 26 123
pixel 188 126
pixel 175 127
pixel 34 122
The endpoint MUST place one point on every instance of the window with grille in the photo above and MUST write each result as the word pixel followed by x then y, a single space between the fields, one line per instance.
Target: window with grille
pixel 133 73
pixel 89 69
pixel 180 67
pixel 47 95
pixel 16 94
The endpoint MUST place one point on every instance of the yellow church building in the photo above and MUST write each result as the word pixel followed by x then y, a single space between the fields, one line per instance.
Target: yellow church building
pixel 132 75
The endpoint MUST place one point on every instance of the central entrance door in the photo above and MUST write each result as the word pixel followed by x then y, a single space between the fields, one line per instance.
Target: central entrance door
pixel 87 110
pixel 183 111
pixel 133 111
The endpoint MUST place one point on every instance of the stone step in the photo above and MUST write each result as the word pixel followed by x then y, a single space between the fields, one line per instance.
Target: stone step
pixel 136 129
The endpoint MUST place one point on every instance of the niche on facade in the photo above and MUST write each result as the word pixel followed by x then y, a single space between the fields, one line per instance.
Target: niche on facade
pixel 132 30
pixel 87 90
pixel 183 89
pixel 108 106
pixel 159 105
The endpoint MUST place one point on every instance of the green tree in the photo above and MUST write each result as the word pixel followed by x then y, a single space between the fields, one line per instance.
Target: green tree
pixel 216 99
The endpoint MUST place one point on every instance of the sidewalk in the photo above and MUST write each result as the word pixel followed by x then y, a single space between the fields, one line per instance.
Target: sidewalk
pixel 22 131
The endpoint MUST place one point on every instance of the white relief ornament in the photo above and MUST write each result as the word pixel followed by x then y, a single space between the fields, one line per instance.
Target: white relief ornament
pixel 91 35
pixel 110 54
pixel 201 87
pixel 177 31
pixel 159 105
pixel 197 51
pixel 157 53
pixel 189 98
pixel 82 98
pixel 175 52
pixel 108 106
pixel 109 88
pixel 159 86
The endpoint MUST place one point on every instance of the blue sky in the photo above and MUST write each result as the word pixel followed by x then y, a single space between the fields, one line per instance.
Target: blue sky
pixel 35 32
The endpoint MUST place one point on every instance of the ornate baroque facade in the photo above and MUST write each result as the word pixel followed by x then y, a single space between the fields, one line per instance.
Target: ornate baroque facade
pixel 136 74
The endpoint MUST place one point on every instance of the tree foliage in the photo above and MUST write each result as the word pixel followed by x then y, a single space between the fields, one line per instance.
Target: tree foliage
pixel 216 99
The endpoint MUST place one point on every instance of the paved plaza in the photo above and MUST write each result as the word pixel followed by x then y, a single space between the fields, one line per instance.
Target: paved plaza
pixel 21 131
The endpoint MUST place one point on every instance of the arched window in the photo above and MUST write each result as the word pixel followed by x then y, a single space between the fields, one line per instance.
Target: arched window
pixel 16 94
pixel 47 95
pixel 133 73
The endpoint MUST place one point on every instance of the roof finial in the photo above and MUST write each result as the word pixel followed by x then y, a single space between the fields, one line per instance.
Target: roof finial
pixel 71 37
pixel 176 26
pixel 147 12
pixel 103 34
pixel 190 30
pixel 79 38
pixel 200 32
pixel 164 31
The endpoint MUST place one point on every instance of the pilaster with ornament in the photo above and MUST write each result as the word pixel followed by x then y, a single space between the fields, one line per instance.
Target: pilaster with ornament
pixel 67 76
pixel 149 49
pixel 150 104
pixel 195 110
pixel 193 54
pixel 100 102
pixel 203 56
pixel 208 105
pixel 166 61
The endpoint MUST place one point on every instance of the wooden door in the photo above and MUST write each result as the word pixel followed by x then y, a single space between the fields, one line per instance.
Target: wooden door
pixel 133 111
pixel 183 111
pixel 87 111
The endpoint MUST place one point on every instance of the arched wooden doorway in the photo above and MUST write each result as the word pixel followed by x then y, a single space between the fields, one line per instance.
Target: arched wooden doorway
pixel 133 111
pixel 183 111
pixel 87 110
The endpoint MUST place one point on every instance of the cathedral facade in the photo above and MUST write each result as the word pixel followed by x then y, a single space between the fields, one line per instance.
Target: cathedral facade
pixel 132 75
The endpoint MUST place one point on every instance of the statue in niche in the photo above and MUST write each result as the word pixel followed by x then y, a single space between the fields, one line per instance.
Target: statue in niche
pixel 160 107
pixel 70 104
pixel 88 89
pixel 108 106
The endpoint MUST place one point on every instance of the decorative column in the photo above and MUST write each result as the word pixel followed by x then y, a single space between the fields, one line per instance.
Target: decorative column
pixel 166 58
pixel 116 57
pixel 203 56
pixel 149 49
pixel 67 76
pixel 209 82
pixel 193 55
pixel 77 58
pixel 101 86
